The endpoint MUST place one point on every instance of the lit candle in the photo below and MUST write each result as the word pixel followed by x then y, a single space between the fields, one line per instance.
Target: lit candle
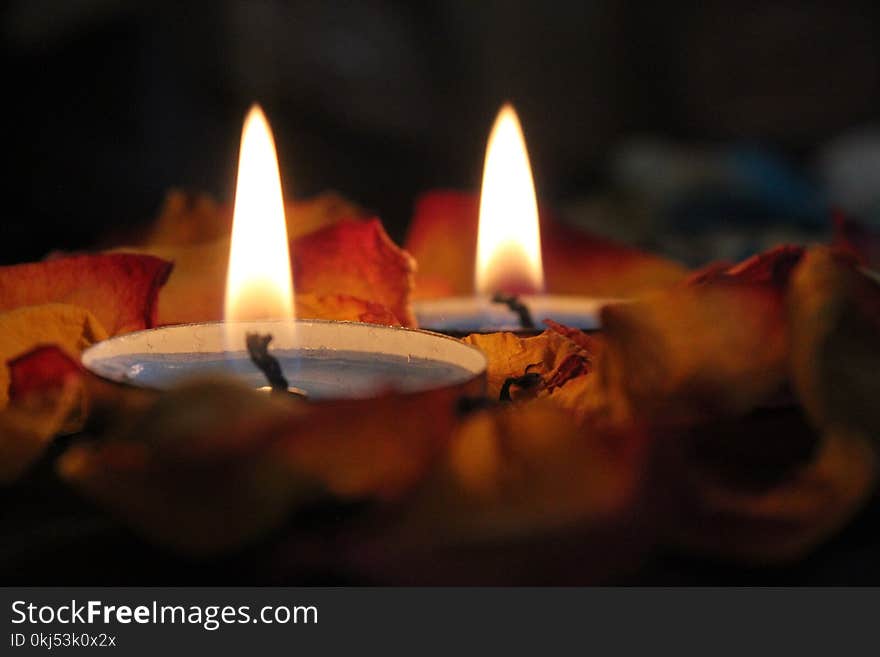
pixel 325 359
pixel 509 274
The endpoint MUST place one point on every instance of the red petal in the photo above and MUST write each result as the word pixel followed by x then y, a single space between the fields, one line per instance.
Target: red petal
pixel 39 370
pixel 120 289
pixel 443 234
pixel 772 267
pixel 590 343
pixel 357 259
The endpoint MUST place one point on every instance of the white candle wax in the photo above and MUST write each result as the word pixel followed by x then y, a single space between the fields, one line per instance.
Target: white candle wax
pixel 326 359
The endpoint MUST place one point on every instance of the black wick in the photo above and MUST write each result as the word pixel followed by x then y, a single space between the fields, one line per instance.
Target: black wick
pixel 513 302
pixel 526 381
pixel 258 349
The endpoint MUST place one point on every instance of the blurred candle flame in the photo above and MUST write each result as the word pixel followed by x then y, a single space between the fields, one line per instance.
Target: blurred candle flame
pixel 509 239
pixel 259 283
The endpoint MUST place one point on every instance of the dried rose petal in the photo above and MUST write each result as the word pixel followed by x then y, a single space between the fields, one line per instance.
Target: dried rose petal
pixel 553 356
pixel 46 399
pixel 193 470
pixel 743 476
pixel 23 329
pixel 119 289
pixel 343 307
pixel 351 448
pixel 356 259
pixel 29 425
pixel 442 238
pixel 523 495
pixel 212 465
pixel 42 369
pixel 349 259
pixel 190 218
pixel 773 267
pixel 590 343
pixel 41 391
pixel 717 349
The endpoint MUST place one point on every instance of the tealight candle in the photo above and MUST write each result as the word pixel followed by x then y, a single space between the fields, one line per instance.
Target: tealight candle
pixel 481 314
pixel 324 359
pixel 509 280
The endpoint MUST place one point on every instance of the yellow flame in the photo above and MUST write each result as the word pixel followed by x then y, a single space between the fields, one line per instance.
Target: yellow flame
pixel 259 283
pixel 509 239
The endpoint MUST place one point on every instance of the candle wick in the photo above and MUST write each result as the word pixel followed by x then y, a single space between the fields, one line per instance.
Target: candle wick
pixel 516 305
pixel 526 381
pixel 258 349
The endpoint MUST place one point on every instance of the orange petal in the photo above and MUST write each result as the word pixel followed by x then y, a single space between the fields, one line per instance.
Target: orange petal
pixel 589 342
pixel 700 367
pixel 521 455
pixel 344 308
pixel 356 259
pixel 442 238
pixel 681 356
pixel 553 356
pixel 695 352
pixel 120 290
pixel 351 448
pixel 195 290
pixel 189 219
pixel 305 216
pixel 519 480
pixel 348 260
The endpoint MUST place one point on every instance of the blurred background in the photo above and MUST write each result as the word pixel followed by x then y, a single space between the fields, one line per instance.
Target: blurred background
pixel 701 130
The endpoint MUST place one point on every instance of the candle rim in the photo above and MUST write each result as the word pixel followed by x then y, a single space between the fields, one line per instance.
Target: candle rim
pixel 475 363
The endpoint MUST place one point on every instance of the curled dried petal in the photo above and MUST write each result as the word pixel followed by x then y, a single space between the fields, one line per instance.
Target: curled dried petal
pixel 553 356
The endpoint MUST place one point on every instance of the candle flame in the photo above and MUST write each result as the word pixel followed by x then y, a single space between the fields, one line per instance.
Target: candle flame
pixel 259 283
pixel 509 239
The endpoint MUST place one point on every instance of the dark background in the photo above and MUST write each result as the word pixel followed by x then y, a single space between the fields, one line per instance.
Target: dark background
pixel 113 102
